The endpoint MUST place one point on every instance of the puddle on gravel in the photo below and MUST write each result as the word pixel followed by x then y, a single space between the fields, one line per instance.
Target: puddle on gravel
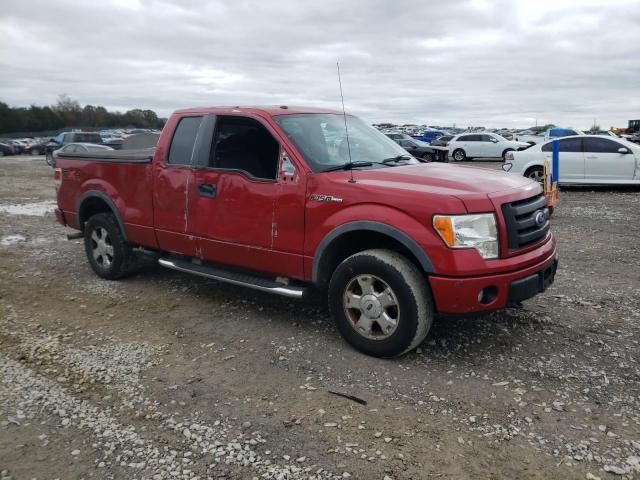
pixel 32 209
pixel 9 240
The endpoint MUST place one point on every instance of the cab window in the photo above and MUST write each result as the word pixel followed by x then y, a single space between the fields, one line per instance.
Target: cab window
pixel 245 145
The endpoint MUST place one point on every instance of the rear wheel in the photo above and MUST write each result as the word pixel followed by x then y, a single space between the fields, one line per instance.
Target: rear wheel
pixel 381 303
pixel 535 173
pixel 108 253
pixel 428 157
pixel 459 155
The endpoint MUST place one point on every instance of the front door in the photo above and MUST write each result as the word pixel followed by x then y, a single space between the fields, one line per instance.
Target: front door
pixel 489 147
pixel 604 163
pixel 236 200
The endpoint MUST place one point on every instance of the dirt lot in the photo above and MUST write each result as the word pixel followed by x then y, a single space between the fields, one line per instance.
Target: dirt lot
pixel 166 375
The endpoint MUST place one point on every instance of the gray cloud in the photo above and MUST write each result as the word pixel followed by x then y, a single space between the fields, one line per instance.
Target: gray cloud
pixel 498 63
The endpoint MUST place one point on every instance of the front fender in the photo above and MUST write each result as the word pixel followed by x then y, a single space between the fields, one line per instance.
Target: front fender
pixel 413 235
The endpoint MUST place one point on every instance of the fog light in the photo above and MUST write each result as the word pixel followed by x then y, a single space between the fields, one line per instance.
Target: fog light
pixel 487 295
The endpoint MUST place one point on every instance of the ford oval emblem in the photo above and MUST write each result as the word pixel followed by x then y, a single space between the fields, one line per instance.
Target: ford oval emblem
pixel 540 218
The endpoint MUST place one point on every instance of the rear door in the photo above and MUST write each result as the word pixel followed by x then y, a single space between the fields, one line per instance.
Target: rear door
pixel 464 142
pixel 173 177
pixel 603 163
pixel 571 159
pixel 474 146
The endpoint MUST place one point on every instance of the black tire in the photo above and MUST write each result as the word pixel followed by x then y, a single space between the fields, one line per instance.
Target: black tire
pixel 535 173
pixel 504 154
pixel 36 151
pixel 50 160
pixel 459 155
pixel 428 157
pixel 1 153
pixel 409 289
pixel 121 261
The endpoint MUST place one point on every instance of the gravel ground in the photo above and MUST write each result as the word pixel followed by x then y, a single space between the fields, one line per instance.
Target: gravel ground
pixel 169 376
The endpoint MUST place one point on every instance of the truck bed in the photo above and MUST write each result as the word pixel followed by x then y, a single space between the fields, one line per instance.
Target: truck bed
pixel 122 177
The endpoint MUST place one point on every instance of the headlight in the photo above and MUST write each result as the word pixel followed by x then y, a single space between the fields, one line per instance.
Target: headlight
pixel 469 231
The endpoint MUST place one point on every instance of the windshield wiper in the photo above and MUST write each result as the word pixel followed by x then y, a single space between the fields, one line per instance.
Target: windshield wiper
pixel 397 158
pixel 348 166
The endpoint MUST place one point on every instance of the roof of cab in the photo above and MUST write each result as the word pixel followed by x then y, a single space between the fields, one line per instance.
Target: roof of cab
pixel 270 110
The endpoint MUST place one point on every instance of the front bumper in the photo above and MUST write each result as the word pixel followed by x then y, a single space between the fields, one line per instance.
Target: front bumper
pixel 492 292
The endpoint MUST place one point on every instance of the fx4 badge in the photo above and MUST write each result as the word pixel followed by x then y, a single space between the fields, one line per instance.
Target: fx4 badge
pixel 324 198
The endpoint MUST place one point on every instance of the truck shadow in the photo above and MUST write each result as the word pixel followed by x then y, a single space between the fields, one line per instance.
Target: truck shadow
pixel 464 337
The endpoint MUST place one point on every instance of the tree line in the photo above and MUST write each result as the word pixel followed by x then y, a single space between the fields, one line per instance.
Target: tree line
pixel 67 113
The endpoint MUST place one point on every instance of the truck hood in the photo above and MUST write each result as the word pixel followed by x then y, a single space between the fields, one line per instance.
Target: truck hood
pixel 474 186
pixel 442 178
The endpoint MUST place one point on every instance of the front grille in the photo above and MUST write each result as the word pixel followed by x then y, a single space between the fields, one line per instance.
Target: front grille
pixel 524 222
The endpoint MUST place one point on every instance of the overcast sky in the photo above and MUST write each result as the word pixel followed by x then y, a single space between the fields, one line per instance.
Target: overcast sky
pixel 477 62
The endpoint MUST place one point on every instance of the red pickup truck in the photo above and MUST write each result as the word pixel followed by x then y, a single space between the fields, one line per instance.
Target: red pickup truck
pixel 282 199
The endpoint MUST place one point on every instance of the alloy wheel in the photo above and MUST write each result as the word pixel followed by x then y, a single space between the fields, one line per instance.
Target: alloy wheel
pixel 371 307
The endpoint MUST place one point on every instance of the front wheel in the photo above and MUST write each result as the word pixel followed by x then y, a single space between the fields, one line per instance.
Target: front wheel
pixel 108 253
pixel 459 155
pixel 49 158
pixel 535 173
pixel 381 303
pixel 428 157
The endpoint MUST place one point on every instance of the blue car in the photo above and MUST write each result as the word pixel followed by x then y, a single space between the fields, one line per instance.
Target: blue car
pixel 430 135
pixel 558 132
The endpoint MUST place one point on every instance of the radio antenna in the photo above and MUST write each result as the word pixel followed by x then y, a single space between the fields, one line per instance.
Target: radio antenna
pixel 346 129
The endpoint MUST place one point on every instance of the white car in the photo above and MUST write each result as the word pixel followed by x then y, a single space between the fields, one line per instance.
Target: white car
pixel 584 159
pixel 482 145
pixel 75 148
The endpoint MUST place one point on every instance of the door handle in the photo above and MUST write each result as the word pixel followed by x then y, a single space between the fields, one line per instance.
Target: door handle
pixel 207 190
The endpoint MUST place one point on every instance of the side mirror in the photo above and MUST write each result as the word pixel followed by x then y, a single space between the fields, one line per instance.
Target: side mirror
pixel 623 150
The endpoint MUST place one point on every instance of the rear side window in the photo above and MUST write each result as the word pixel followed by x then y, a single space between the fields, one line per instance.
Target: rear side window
pixel 244 144
pixel 566 145
pixel 86 138
pixel 184 140
pixel 466 138
pixel 601 145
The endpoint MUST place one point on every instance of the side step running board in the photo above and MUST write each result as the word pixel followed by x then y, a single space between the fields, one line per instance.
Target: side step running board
pixel 235 278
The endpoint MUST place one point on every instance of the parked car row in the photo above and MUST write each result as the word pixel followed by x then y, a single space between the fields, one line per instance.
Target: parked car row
pixel 416 148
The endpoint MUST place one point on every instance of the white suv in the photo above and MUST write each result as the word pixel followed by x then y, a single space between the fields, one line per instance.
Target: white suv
pixel 486 145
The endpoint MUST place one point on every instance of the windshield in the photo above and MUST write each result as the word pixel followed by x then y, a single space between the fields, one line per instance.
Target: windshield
pixel 321 140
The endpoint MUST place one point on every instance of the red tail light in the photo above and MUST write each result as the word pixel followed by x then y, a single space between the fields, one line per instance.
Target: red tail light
pixel 57 177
